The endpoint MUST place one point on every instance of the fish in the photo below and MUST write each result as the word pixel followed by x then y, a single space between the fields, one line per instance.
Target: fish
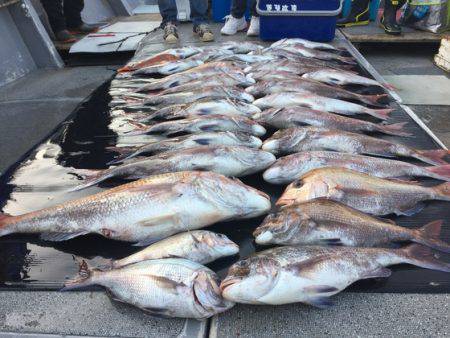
pixel 297 68
pixel 205 70
pixel 288 168
pixel 168 55
pixel 306 86
pixel 312 274
pixel 211 93
pixel 199 246
pixel 233 161
pixel 341 78
pixel 282 118
pixel 369 194
pixel 293 140
pixel 205 107
pixel 325 222
pixel 163 287
pixel 208 123
pixel 273 75
pixel 168 68
pixel 317 54
pixel 246 58
pixel 146 210
pixel 307 44
pixel 189 141
pixel 317 102
pixel 241 47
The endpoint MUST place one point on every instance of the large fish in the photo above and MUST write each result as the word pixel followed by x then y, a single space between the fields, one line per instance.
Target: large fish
pixel 307 44
pixel 168 68
pixel 189 141
pixel 198 124
pixel 296 68
pixel 288 168
pixel 305 86
pixel 282 118
pixel 205 107
pixel 235 161
pixel 293 140
pixel 199 246
pixel 146 210
pixel 316 54
pixel 241 47
pixel 211 93
pixel 324 222
pixel 370 194
pixel 311 274
pixel 164 287
pixel 317 102
pixel 341 78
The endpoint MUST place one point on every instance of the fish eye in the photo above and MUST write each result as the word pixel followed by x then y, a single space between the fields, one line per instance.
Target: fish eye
pixel 298 184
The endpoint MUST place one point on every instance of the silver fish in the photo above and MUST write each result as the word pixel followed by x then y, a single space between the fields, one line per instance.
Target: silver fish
pixel 295 116
pixel 162 287
pixel 199 246
pixel 341 78
pixel 311 274
pixel 146 210
pixel 290 66
pixel 293 140
pixel 317 102
pixel 234 161
pixel 289 168
pixel 168 68
pixel 307 44
pixel 370 194
pixel 317 54
pixel 324 222
pixel 241 47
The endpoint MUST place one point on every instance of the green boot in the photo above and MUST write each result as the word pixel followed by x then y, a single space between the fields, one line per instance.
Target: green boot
pixel 359 14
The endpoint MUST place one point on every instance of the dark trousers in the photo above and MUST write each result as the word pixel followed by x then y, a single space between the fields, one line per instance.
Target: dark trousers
pixel 238 8
pixel 63 14
pixel 199 11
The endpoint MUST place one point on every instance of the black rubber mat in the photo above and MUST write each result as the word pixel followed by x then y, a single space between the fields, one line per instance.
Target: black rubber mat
pixel 42 179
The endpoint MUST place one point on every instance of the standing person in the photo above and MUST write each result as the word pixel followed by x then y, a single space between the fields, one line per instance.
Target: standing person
pixel 65 18
pixel 236 21
pixel 199 17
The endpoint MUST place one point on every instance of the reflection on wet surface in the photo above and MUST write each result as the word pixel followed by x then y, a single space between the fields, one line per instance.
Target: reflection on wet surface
pixel 86 141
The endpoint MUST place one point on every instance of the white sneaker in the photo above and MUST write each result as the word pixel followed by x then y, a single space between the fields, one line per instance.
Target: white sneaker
pixel 233 25
pixel 253 30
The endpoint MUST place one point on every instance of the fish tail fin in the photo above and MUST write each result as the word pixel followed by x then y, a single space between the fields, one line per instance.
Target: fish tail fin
pixel 83 279
pixel 423 257
pixel 429 235
pixel 394 129
pixel 93 177
pixel 440 172
pixel 434 157
pixel 382 114
pixel 379 100
pixel 4 230
pixel 442 191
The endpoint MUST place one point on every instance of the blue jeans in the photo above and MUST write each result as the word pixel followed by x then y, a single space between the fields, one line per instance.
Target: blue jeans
pixel 238 8
pixel 199 11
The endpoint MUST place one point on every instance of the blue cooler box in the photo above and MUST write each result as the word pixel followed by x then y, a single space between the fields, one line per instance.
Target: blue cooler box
pixel 313 20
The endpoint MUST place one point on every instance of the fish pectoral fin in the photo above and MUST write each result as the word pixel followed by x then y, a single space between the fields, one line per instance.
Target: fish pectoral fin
pixel 202 141
pixel 320 301
pixel 354 191
pixel 162 219
pixel 167 283
pixel 331 241
pixel 60 236
pixel 304 267
pixel 208 127
pixel 377 273
pixel 156 312
pixel 409 211
pixel 321 289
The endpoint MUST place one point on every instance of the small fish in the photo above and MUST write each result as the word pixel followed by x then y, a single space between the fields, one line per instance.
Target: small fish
pixel 341 78
pixel 295 116
pixel 163 287
pixel 307 44
pixel 317 102
pixel 311 274
pixel 317 54
pixel 191 140
pixel 209 123
pixel 293 140
pixel 145 211
pixel 210 93
pixel 168 68
pixel 370 194
pixel 288 168
pixel 246 58
pixel 273 75
pixel 205 107
pixel 241 47
pixel 199 246
pixel 324 222
pixel 305 86
pixel 233 161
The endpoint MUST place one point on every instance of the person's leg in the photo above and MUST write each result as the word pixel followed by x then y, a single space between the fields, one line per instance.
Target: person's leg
pixel 55 14
pixel 199 12
pixel 168 10
pixel 253 11
pixel 72 12
pixel 238 8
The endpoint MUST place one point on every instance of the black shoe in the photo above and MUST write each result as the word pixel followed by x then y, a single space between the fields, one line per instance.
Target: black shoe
pixel 65 36
pixel 359 14
pixel 84 28
pixel 170 33
pixel 205 34
pixel 388 21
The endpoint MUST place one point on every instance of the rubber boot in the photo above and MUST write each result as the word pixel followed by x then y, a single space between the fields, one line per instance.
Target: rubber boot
pixel 389 21
pixel 359 14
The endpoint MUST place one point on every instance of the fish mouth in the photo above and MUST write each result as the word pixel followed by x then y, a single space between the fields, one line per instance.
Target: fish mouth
pixel 284 201
pixel 228 282
pixel 263 237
